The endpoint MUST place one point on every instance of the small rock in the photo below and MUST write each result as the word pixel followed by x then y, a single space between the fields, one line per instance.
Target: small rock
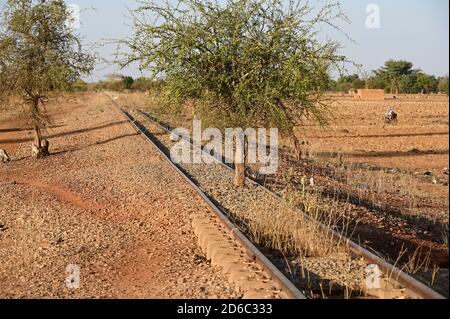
pixel 198 260
pixel 59 241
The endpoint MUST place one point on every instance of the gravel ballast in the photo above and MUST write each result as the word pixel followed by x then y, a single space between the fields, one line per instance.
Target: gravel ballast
pixel 106 202
pixel 253 205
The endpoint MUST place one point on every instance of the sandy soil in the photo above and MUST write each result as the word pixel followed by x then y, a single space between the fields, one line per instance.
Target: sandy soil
pixel 125 223
pixel 419 141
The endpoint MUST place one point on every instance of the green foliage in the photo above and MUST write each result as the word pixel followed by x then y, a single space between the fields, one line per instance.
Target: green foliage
pixel 345 83
pixel 142 85
pixel 392 73
pixel 400 77
pixel 119 83
pixel 343 87
pixel 443 85
pixel 122 83
pixel 426 84
pixel 242 62
pixel 145 84
pixel 408 83
pixel 418 82
pixel 39 53
pixel 127 82
pixel 79 86
pixel 376 83
pixel 113 85
pixel 348 78
pixel 358 84
pixel 332 85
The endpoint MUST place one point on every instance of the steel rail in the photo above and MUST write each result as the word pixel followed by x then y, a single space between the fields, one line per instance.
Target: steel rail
pixel 253 252
pixel 415 288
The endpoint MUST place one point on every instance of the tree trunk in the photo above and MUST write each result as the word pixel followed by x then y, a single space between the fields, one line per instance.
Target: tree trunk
pixel 297 148
pixel 37 135
pixel 239 175
pixel 4 158
pixel 40 146
pixel 239 162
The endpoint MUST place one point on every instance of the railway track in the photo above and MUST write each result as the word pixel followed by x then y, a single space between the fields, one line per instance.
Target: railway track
pixel 398 280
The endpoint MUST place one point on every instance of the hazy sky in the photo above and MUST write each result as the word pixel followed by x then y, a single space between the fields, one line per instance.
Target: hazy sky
pixel 415 30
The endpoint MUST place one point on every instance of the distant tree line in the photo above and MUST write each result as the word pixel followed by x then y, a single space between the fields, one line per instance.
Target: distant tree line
pixel 395 77
pixel 119 83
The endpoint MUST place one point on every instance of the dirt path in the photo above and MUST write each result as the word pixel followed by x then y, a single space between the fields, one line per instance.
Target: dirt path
pixel 106 202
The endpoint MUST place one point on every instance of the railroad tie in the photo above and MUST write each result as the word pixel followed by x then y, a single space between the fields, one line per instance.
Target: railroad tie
pixel 220 248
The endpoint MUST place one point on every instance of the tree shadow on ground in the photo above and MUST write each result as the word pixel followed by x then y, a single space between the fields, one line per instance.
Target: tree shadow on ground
pixel 362 154
pixel 80 131
pixel 24 129
pixel 71 150
pixel 384 136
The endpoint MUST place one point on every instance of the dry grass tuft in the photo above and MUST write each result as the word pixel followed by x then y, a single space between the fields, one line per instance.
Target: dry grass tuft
pixel 296 234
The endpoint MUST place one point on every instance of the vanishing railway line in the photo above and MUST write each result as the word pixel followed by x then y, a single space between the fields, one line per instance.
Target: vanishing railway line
pixel 396 283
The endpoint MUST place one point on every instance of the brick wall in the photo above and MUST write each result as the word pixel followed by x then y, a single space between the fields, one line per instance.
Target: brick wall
pixel 366 94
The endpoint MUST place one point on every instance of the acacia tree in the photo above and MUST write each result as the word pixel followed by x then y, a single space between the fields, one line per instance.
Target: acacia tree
pixel 40 56
pixel 443 85
pixel 242 63
pixel 393 72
